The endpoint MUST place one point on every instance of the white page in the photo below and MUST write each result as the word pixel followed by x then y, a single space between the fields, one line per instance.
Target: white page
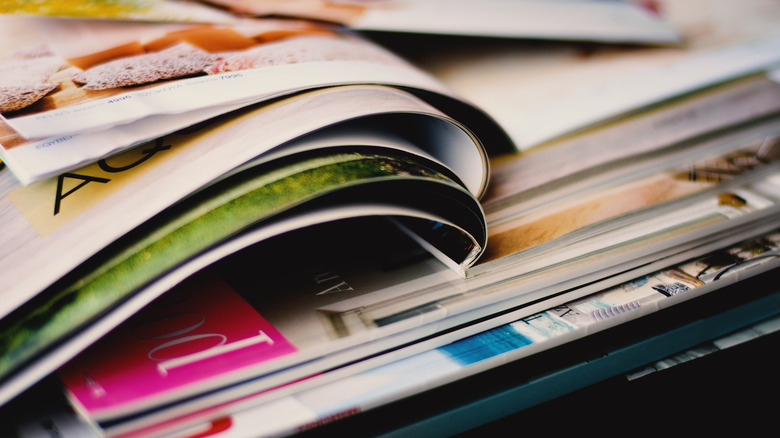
pixel 612 21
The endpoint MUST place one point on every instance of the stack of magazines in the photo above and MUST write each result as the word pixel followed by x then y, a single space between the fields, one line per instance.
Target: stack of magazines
pixel 258 217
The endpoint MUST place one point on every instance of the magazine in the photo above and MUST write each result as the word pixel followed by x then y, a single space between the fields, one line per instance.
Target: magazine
pixel 351 95
pixel 324 148
pixel 307 143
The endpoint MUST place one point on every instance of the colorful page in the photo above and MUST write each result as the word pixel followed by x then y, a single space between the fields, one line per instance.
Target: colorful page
pixel 91 76
pixel 198 331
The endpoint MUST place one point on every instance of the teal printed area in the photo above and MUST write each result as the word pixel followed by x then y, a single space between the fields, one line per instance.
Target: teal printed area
pixel 486 345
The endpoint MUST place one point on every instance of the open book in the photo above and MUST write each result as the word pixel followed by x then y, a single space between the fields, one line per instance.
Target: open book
pixel 311 127
pixel 344 192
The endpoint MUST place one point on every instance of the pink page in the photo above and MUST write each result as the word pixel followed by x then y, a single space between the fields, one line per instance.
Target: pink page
pixel 200 330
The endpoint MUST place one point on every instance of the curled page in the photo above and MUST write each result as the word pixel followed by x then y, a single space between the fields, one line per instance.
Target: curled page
pixel 103 87
pixel 318 156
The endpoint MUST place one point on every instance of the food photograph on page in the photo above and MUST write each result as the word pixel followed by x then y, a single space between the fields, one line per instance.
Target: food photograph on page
pixel 77 61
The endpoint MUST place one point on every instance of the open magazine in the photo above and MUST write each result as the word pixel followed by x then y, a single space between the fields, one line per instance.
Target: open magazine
pixel 352 132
